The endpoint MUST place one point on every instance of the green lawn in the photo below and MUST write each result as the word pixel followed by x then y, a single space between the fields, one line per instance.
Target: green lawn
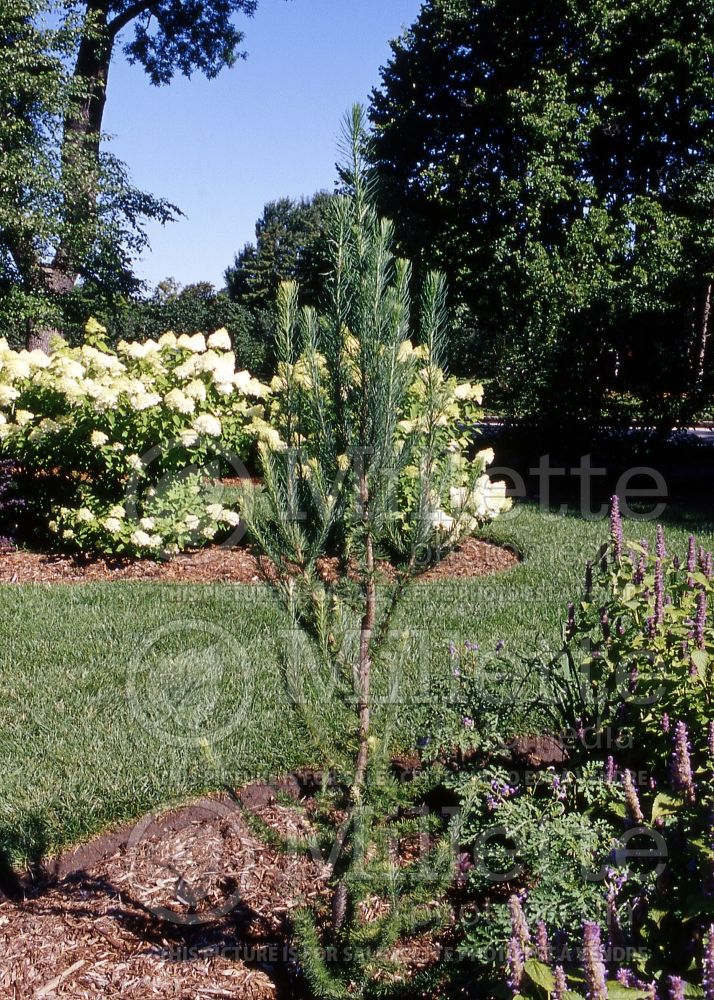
pixel 118 698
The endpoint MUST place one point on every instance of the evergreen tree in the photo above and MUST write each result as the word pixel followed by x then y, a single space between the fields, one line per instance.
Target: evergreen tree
pixel 331 464
pixel 289 246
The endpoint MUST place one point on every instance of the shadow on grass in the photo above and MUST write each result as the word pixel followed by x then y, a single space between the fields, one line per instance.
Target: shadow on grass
pixel 32 841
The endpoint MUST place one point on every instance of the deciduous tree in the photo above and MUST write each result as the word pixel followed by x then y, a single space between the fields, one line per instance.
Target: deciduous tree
pixel 54 96
pixel 557 161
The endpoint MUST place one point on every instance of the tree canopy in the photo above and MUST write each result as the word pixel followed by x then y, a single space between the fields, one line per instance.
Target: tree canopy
pixel 67 208
pixel 557 162
pixel 289 246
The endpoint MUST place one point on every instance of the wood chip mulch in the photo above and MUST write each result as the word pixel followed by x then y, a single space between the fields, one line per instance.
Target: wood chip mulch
pixel 190 905
pixel 236 564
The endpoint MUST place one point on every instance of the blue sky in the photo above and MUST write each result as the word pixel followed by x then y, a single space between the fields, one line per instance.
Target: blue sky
pixel 220 149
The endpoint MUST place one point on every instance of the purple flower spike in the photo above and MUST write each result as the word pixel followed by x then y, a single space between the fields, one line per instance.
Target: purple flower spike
pixel 605 624
pixel 701 619
pixel 708 965
pixel 514 964
pixel 519 924
pixel 631 798
pixel 659 592
pixel 710 740
pixel 610 770
pixel 665 722
pixel 676 988
pixel 561 983
pixel 570 627
pixel 675 562
pixel 464 864
pixel 593 964
pixel 692 554
pixel 661 547
pixel 616 526
pixel 681 763
pixel 542 943
pixel 634 675
pixel 519 943
pixel 467 722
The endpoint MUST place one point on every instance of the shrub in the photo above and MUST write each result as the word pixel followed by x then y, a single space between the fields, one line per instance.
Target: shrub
pixel 435 423
pixel 184 512
pixel 93 429
pixel 10 504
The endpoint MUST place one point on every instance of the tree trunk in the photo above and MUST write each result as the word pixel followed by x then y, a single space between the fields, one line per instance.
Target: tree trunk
pixel 364 666
pixel 80 159
pixel 56 282
pixel 704 336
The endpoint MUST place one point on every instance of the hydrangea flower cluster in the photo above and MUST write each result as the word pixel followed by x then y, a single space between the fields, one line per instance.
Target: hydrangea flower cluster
pixel 96 424
pixel 468 498
pixel 183 515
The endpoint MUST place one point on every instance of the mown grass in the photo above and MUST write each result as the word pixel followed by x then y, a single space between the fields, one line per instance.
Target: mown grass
pixel 117 698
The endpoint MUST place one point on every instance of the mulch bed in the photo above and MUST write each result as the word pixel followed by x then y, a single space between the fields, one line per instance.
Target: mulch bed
pixel 191 904
pixel 236 564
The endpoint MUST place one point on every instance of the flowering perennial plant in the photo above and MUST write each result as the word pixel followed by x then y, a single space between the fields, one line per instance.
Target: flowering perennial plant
pixel 610 848
pixel 639 654
pixel 636 673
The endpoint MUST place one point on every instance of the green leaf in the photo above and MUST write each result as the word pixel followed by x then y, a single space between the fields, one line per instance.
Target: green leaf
pixel 618 809
pixel 629 591
pixel 700 659
pixel 690 990
pixel 540 975
pixel 616 991
pixel 664 805
pixel 656 916
pixel 637 547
